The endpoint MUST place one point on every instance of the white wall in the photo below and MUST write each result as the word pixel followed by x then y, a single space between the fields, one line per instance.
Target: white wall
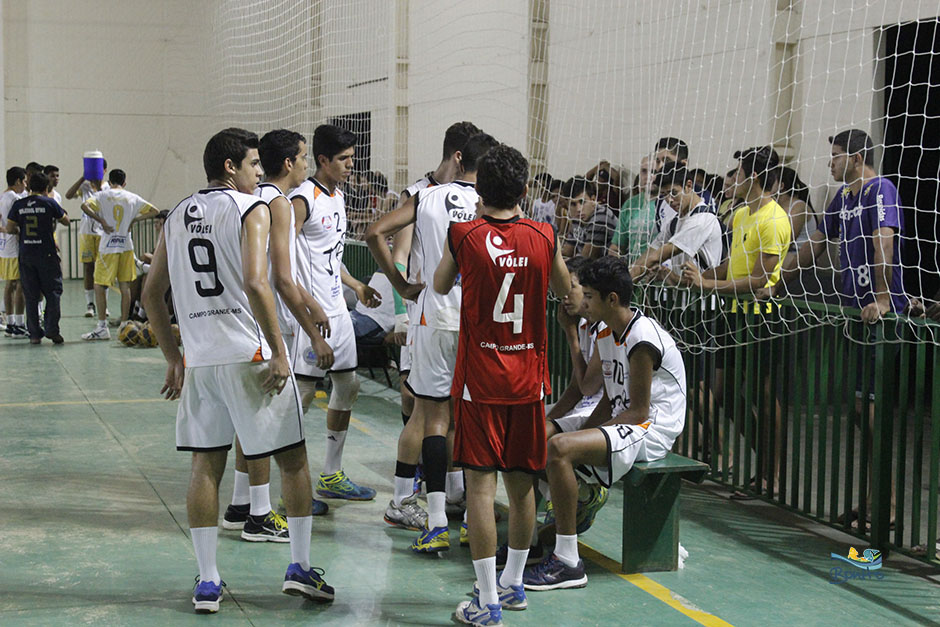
pixel 128 77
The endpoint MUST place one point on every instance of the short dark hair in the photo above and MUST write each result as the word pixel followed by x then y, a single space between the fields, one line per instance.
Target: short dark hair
pixel 104 162
pixel 117 176
pixel 456 136
pixel 14 174
pixel 502 175
pixel 33 166
pixel 580 185
pixel 674 145
pixel 38 182
pixel 378 180
pixel 49 169
pixel 608 275
pixel 476 147
pixel 762 161
pixel 163 214
pixel 544 179
pixel 574 264
pixel 329 140
pixel 555 184
pixel 673 173
pixel 230 143
pixel 277 145
pixel 855 142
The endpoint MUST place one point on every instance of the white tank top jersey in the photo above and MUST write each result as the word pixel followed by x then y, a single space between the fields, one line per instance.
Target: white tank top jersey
pixel 88 226
pixel 268 192
pixel 436 208
pixel 203 237
pixel 117 207
pixel 9 244
pixel 321 245
pixel 667 389
pixel 414 256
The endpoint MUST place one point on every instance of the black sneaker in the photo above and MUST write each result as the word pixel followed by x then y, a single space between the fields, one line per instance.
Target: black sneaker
pixel 57 338
pixel 235 516
pixel 552 574
pixel 536 554
pixel 271 527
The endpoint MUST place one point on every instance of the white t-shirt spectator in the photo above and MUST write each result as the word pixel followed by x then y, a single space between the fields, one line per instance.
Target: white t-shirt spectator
pixel 543 211
pixel 384 314
pixel 697 234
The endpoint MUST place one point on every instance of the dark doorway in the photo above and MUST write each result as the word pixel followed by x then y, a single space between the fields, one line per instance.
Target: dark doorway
pixel 361 125
pixel 912 144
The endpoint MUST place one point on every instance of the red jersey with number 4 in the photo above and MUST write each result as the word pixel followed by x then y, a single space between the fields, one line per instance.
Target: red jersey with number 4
pixel 504 269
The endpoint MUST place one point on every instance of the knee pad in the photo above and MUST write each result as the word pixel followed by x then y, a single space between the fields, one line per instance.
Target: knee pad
pixel 345 390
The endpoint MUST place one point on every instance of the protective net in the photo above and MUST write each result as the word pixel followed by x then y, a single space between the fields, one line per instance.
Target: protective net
pixel 589 89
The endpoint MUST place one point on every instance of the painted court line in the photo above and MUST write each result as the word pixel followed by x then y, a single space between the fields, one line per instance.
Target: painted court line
pixel 84 402
pixel 652 588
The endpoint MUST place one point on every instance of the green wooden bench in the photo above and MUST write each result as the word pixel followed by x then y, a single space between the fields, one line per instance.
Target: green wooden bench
pixel 651 512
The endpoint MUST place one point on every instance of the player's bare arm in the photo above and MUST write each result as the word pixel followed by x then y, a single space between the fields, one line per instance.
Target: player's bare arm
pixel 367 296
pixel 285 284
pixel 560 280
pixel 760 274
pixel 446 274
pixel 255 232
pixel 145 214
pixel 652 257
pixel 601 414
pixel 881 271
pixel 72 192
pixel 593 377
pixel 378 232
pixel 157 285
pixel 642 360
pixel 91 213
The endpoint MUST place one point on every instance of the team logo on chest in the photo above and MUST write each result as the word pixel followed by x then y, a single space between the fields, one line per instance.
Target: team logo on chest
pixel 501 256
pixel 326 222
pixel 193 220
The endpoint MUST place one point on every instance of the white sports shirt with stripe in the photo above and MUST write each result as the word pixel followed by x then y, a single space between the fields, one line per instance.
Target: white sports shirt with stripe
pixel 435 209
pixel 268 192
pixel 118 208
pixel 320 244
pixel 88 226
pixel 203 237
pixel 667 388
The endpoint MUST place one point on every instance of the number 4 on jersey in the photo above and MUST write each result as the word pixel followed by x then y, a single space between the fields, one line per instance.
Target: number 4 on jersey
pixel 514 316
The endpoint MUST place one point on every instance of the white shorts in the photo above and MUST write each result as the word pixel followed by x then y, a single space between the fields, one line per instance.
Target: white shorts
pixel 626 444
pixel 342 340
pixel 433 357
pixel 404 361
pixel 576 417
pixel 219 402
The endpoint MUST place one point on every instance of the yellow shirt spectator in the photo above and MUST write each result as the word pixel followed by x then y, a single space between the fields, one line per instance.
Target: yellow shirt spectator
pixel 765 231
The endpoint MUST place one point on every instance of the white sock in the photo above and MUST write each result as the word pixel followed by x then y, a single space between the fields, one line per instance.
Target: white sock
pixel 334 451
pixel 566 549
pixel 260 499
pixel 515 564
pixel 545 490
pixel 453 486
pixel 404 487
pixel 437 517
pixel 90 297
pixel 465 516
pixel 102 324
pixel 205 541
pixel 19 319
pixel 485 570
pixel 240 493
pixel 299 528
pixel 145 268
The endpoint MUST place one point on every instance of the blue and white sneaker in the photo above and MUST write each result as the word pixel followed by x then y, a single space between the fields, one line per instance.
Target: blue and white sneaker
pixel 470 613
pixel 206 596
pixel 307 583
pixel 339 486
pixel 510 597
pixel 553 574
pixel 432 540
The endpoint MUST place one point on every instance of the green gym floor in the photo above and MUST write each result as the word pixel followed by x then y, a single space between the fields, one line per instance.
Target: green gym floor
pixel 93 526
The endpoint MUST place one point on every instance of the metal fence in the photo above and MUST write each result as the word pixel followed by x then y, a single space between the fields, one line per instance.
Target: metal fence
pixel 828 420
pixel 143 233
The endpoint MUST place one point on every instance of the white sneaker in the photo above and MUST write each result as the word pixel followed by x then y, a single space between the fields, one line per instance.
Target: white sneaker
pixel 98 333
pixel 409 515
pixel 90 312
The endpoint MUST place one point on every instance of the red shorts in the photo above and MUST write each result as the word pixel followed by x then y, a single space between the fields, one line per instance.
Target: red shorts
pixel 499 437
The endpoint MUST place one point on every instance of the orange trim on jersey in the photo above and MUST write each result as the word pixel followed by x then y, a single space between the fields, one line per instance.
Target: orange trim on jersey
pixel 257 356
pixel 424 321
pixel 646 425
pixel 604 333
pixel 316 192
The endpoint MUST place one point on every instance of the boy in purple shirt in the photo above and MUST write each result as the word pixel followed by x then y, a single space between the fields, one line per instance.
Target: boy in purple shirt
pixel 865 218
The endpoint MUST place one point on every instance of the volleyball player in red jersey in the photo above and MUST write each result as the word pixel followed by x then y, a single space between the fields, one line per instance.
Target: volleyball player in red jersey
pixel 505 263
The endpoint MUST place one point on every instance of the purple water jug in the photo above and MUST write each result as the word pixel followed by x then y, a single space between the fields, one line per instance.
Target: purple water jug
pixel 94 165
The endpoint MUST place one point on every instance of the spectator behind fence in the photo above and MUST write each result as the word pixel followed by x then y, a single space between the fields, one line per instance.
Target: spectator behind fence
pixel 592 224
pixel 371 325
pixel 694 235
pixel 34 219
pixel 543 200
pixel 636 224
pixel 610 182
pixel 793 196
pixel 864 217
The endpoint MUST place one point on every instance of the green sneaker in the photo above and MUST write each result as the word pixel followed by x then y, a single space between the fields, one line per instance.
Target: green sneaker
pixel 339 486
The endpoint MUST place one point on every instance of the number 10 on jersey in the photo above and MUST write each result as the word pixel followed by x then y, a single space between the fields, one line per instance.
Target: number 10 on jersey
pixel 518 301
